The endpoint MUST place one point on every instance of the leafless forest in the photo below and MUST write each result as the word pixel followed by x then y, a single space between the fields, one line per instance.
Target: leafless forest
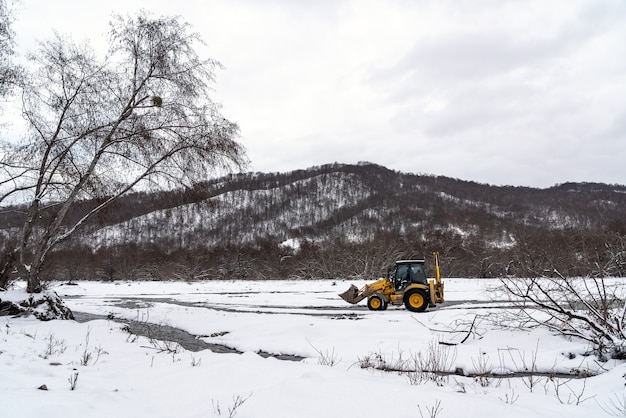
pixel 343 221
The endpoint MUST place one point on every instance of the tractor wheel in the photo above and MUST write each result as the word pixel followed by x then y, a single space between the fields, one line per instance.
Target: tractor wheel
pixel 416 300
pixel 376 303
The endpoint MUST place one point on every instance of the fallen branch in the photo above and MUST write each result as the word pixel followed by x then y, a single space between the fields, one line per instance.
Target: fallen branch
pixel 467 332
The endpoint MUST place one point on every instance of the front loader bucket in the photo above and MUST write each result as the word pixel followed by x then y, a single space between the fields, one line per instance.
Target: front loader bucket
pixel 351 295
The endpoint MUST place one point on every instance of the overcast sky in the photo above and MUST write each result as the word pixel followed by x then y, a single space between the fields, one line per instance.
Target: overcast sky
pixel 505 92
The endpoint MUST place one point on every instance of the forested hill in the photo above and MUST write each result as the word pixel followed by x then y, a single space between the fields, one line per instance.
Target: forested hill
pixel 349 221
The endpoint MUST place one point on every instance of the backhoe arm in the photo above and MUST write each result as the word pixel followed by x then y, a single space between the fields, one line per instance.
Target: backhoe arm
pixel 436 286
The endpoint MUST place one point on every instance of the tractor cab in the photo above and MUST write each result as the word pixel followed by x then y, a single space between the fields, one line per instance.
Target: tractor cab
pixel 407 272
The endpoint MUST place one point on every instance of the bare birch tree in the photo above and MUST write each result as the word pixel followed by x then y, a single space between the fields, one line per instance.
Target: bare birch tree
pixel 101 127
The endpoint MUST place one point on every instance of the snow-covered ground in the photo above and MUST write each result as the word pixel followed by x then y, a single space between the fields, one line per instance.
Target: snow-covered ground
pixel 116 374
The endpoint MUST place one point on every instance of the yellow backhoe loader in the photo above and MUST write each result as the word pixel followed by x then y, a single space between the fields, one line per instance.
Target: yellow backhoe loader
pixel 408 285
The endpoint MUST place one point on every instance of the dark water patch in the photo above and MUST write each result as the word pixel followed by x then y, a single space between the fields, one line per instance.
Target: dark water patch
pixel 186 340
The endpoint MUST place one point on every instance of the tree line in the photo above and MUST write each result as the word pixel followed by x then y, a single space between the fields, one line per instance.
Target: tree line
pixel 349 221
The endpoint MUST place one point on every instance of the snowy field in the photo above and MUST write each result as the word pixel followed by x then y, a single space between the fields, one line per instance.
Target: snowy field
pixel 97 368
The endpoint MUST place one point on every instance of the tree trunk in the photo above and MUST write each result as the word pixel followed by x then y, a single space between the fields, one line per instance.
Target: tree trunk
pixel 33 284
pixel 7 264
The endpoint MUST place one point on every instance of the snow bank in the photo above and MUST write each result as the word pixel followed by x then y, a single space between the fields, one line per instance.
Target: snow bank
pixel 118 374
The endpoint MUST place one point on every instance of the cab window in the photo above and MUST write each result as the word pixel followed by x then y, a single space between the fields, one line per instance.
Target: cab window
pixel 417 274
pixel 402 276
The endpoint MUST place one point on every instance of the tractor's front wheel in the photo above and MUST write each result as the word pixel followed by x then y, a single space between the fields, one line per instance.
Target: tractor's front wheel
pixel 416 300
pixel 376 303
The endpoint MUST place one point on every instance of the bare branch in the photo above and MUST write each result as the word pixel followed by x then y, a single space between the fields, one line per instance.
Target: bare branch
pixel 143 112
pixel 584 308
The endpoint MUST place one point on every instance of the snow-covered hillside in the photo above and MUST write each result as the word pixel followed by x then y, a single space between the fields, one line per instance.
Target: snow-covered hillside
pixel 348 221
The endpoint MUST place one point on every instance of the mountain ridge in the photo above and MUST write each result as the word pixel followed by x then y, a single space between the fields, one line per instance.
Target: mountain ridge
pixel 238 224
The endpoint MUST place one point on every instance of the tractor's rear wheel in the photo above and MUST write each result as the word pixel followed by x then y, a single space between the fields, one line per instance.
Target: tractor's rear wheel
pixel 416 300
pixel 376 303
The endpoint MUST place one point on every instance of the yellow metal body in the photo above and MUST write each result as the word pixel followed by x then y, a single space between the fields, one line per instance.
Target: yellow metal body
pixel 414 296
pixel 397 297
